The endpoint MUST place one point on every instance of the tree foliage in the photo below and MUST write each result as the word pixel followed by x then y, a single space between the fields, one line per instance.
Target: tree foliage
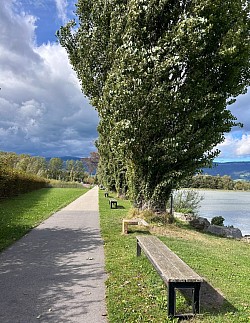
pixel 161 74
pixel 91 162
pixel 52 168
pixel 216 182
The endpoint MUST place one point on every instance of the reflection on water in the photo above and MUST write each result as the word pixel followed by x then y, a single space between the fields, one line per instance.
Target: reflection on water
pixel 233 206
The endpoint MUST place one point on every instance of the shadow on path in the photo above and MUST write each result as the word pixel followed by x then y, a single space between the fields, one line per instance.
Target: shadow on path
pixel 52 274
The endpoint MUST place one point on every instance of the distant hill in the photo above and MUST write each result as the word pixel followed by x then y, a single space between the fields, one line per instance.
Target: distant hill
pixel 236 170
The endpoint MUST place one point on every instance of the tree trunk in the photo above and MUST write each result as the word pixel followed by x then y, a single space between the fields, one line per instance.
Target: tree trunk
pixel 157 206
pixel 156 203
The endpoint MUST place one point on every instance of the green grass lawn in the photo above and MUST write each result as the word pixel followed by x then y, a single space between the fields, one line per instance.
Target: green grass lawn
pixel 135 292
pixel 20 214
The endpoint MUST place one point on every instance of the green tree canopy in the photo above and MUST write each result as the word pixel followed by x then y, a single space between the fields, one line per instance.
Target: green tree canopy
pixel 55 167
pixel 161 74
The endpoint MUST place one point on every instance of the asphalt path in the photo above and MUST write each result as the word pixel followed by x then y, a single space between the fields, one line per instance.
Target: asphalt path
pixel 56 272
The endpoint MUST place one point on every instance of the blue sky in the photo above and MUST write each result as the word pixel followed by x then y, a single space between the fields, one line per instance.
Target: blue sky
pixel 50 15
pixel 42 109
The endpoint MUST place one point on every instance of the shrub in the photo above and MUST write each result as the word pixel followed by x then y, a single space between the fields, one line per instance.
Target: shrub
pixel 62 184
pixel 13 182
pixel 217 220
pixel 143 214
pixel 186 201
pixel 133 213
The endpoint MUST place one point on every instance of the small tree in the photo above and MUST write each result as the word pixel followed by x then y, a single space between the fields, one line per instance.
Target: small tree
pixel 187 201
pixel 91 162
pixel 70 168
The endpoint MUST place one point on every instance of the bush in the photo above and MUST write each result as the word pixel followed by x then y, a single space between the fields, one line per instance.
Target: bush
pixel 62 184
pixel 143 214
pixel 13 182
pixel 217 220
pixel 186 201
pixel 150 216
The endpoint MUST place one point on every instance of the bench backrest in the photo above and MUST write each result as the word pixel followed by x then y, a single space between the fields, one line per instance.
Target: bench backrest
pixel 169 266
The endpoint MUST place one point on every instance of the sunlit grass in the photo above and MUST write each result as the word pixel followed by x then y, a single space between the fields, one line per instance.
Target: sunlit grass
pixel 20 214
pixel 135 292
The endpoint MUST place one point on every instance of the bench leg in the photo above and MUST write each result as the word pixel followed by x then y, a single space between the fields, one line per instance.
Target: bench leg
pixel 196 298
pixel 138 249
pixel 195 286
pixel 124 228
pixel 113 205
pixel 171 300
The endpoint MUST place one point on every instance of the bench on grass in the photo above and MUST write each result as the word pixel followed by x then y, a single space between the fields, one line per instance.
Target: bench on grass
pixel 126 222
pixel 106 194
pixel 175 273
pixel 113 203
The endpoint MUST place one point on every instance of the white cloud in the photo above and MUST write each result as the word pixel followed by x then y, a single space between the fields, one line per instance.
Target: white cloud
pixel 243 146
pixel 61 6
pixel 235 147
pixel 42 109
pixel 227 148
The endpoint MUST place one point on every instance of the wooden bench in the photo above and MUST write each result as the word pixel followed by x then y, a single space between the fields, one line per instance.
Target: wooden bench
pixel 175 273
pixel 126 222
pixel 106 194
pixel 113 203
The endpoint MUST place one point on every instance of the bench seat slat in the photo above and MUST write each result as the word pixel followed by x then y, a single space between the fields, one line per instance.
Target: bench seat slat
pixel 169 266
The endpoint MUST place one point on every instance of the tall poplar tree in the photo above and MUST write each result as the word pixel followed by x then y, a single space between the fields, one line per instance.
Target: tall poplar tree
pixel 161 74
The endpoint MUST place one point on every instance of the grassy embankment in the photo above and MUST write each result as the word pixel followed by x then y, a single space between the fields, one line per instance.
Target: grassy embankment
pixel 20 214
pixel 135 292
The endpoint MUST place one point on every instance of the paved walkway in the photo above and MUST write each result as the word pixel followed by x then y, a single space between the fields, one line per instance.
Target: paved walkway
pixel 56 272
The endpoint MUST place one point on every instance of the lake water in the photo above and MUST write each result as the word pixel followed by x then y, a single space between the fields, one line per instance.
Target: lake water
pixel 233 206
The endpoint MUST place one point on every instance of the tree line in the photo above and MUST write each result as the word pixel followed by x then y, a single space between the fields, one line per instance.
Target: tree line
pixel 53 168
pixel 216 182
pixel 29 171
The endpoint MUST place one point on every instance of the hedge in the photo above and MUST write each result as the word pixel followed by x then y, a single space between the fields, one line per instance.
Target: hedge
pixel 13 182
